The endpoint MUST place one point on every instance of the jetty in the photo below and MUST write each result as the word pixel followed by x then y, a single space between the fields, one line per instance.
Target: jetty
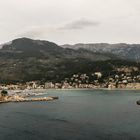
pixel 30 99
pixel 5 98
pixel 36 99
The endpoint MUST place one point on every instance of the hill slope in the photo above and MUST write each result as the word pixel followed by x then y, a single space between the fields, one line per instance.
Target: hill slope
pixel 25 59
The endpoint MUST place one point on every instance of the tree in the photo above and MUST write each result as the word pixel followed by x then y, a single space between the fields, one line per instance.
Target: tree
pixel 4 93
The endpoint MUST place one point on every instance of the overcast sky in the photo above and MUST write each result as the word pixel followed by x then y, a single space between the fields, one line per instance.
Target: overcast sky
pixel 71 21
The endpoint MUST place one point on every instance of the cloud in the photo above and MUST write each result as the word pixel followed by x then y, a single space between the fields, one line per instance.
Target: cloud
pixel 79 24
pixel 41 31
pixel 32 32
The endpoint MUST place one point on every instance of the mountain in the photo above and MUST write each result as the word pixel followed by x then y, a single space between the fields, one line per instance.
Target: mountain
pixel 27 48
pixel 24 59
pixel 122 50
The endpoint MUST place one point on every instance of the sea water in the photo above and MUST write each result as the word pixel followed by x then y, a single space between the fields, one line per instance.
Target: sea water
pixel 77 115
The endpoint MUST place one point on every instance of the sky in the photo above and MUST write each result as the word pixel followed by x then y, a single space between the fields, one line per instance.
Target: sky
pixel 71 21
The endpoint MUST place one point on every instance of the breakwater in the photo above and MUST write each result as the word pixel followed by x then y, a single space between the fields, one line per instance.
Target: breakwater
pixel 31 99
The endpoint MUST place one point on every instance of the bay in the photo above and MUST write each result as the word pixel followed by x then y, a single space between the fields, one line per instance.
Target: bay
pixel 77 115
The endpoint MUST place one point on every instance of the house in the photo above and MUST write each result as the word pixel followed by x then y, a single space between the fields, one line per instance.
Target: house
pixel 98 74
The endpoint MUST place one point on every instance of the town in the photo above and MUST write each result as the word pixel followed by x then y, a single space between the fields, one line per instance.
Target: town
pixel 122 78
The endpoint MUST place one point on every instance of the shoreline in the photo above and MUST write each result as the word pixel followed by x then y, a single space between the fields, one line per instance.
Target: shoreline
pixel 120 89
pixel 39 92
pixel 44 90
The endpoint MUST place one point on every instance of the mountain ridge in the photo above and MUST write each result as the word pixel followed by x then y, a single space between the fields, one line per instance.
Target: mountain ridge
pixel 122 50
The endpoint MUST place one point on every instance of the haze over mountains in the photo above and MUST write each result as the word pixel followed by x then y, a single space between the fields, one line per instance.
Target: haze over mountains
pixel 122 50
pixel 25 59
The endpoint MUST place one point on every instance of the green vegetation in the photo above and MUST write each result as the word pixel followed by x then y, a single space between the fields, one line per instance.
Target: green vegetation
pixel 28 60
pixel 4 93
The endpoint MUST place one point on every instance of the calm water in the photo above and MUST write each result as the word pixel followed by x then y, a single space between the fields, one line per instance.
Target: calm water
pixel 77 115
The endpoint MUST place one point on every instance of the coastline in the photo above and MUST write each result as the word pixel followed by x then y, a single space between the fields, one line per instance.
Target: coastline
pixel 38 92
pixel 44 90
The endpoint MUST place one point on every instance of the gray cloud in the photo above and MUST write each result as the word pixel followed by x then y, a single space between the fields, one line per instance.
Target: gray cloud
pixel 41 31
pixel 33 32
pixel 38 32
pixel 79 24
